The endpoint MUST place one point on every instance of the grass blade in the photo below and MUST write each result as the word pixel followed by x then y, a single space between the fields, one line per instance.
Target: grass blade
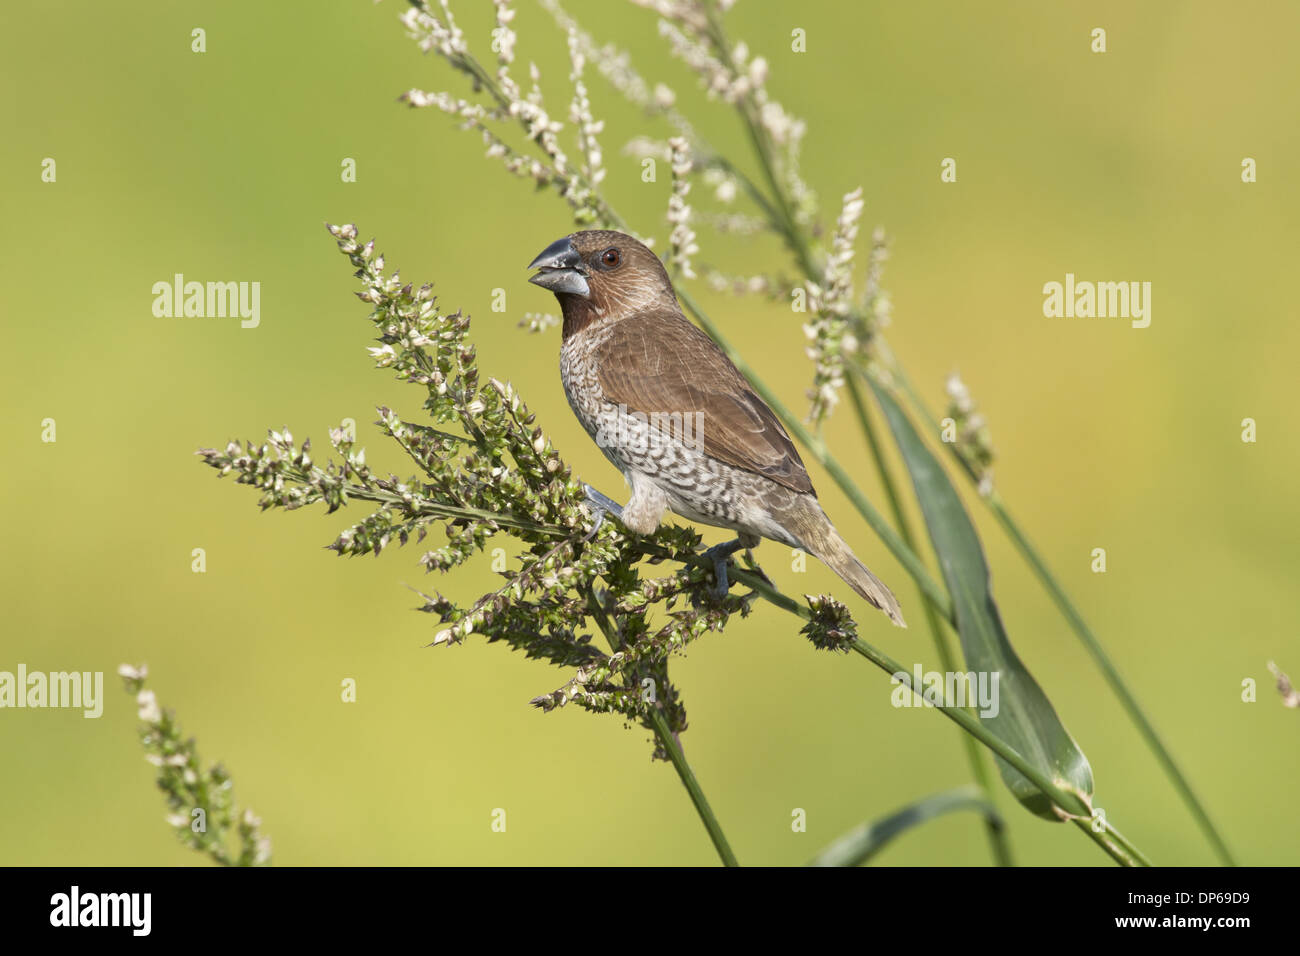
pixel 863 842
pixel 1025 718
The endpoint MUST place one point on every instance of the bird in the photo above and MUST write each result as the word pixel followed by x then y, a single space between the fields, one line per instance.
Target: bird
pixel 672 412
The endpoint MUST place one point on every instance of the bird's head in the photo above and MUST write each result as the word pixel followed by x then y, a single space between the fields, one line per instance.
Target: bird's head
pixel 598 274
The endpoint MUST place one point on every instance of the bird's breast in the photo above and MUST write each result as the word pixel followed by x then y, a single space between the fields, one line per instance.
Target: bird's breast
pixel 580 374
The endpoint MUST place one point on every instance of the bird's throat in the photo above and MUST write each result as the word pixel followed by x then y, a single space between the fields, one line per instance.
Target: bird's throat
pixel 578 313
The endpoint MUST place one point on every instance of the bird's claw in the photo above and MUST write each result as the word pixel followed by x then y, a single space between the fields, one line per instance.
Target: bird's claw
pixel 719 554
pixel 600 506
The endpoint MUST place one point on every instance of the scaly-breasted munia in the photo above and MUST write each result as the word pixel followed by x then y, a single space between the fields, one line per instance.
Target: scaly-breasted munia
pixel 675 416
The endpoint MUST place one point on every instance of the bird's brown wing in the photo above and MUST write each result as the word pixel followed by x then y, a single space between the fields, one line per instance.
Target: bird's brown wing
pixel 658 362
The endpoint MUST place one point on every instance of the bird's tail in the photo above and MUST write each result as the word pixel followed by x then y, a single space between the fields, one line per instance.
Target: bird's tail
pixel 820 539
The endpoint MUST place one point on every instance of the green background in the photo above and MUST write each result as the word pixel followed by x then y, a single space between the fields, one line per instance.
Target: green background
pixel 223 166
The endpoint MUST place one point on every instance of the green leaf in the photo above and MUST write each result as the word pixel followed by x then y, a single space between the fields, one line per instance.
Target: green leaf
pixel 863 842
pixel 1025 718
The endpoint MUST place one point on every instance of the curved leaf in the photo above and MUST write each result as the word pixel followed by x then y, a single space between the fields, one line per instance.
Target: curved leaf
pixel 865 841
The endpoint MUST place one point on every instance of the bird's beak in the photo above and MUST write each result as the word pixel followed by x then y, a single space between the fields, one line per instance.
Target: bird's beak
pixel 561 269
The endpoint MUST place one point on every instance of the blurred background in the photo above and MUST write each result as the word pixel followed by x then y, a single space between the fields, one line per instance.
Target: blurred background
pixel 224 165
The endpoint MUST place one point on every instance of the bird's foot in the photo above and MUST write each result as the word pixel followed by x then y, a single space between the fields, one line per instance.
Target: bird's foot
pixel 600 506
pixel 719 554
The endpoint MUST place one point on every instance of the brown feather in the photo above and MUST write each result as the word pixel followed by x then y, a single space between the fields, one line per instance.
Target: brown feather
pixel 658 362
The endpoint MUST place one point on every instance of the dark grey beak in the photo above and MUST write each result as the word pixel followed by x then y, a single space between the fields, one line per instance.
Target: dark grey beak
pixel 561 269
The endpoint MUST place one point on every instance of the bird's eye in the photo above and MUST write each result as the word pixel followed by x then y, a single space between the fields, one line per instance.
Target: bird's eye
pixel 610 257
